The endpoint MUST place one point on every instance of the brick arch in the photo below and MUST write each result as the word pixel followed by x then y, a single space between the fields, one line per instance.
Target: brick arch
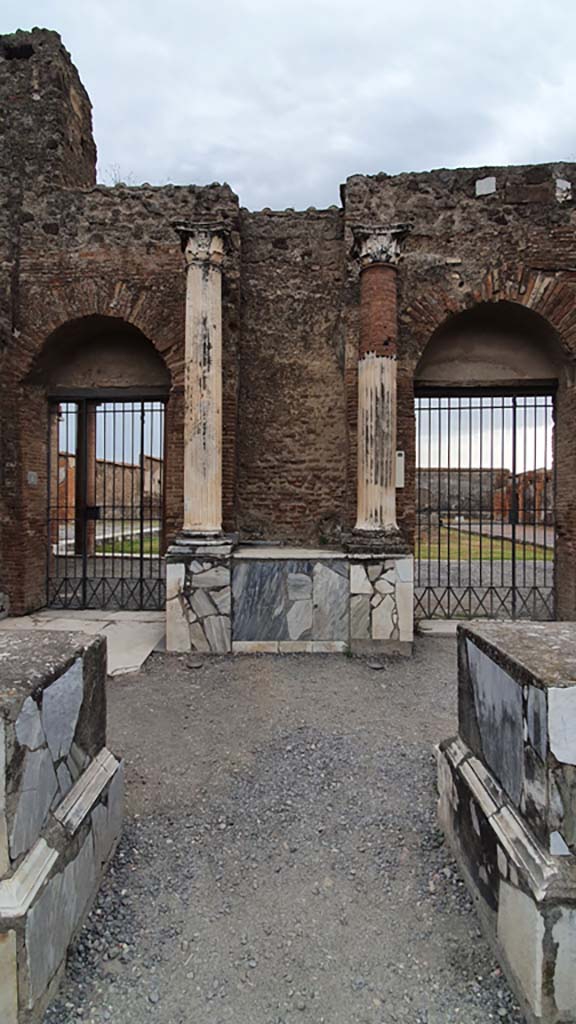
pixel 99 351
pixel 551 296
pixel 156 312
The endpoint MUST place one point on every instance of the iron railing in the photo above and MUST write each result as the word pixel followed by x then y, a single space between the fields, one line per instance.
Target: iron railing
pixel 106 504
pixel 484 542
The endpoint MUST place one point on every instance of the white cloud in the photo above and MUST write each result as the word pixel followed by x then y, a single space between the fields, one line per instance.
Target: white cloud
pixel 285 99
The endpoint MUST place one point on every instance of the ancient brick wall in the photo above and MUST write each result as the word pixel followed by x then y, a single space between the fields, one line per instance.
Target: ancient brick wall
pixel 45 141
pixel 292 435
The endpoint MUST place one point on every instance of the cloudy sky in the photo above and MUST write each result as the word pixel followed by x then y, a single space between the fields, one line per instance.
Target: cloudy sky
pixel 285 98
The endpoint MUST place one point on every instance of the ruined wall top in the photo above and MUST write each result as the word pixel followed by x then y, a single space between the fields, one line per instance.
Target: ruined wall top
pixel 45 115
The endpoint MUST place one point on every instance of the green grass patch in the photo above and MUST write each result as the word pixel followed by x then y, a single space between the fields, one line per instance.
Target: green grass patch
pixel 130 545
pixel 459 545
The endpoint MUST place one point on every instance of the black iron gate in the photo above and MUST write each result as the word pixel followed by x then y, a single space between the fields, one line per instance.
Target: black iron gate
pixel 105 505
pixel 484 506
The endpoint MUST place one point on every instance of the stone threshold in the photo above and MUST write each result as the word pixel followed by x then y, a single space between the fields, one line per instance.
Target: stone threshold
pixel 289 646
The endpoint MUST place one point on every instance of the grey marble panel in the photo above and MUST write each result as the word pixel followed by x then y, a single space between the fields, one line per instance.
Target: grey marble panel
pixel 498 701
pixel 260 599
pixel 37 789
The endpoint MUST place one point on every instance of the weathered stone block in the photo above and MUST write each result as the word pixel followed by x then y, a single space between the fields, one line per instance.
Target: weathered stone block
pixel 60 802
pixel 508 807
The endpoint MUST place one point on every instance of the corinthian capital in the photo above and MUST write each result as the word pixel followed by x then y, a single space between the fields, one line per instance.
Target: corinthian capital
pixel 202 244
pixel 378 243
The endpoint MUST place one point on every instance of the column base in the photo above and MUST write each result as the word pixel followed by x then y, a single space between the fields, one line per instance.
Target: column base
pixel 384 542
pixel 191 542
pixel 199 593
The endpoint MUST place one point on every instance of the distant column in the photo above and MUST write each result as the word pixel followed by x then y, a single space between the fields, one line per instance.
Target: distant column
pixel 203 247
pixel 378 249
pixel 85 533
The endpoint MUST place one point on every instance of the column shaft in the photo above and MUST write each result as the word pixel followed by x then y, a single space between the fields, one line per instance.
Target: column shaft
pixel 203 400
pixel 376 502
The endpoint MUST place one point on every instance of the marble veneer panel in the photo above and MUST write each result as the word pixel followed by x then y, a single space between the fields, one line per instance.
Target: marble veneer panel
pixel 290 600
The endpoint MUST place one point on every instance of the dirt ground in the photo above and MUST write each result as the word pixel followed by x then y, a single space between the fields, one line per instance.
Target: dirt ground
pixel 280 861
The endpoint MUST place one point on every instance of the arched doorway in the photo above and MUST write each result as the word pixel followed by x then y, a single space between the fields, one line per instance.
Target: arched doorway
pixel 106 387
pixel 485 478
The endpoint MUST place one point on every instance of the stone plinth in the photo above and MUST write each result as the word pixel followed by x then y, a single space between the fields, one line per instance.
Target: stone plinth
pixel 265 599
pixel 198 596
pixel 508 802
pixel 381 603
pixel 60 807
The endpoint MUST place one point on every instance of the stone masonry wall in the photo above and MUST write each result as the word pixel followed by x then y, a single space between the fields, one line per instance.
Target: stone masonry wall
pixel 292 442
pixel 477 235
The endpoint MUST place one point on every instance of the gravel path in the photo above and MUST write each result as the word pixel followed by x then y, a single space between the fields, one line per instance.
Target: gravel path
pixel 281 861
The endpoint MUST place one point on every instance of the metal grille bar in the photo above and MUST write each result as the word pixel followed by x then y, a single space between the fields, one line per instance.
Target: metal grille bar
pixel 105 508
pixel 485 531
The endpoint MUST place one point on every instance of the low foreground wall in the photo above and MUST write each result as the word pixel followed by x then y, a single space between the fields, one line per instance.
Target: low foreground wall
pixel 287 600
pixel 60 807
pixel 507 787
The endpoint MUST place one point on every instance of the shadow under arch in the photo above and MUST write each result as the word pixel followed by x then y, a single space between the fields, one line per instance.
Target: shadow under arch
pixel 99 354
pixel 491 345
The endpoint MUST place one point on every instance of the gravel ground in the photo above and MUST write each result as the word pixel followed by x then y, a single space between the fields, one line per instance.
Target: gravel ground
pixel 281 861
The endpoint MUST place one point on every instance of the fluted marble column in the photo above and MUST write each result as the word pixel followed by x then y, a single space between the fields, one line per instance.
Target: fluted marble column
pixel 378 249
pixel 203 247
